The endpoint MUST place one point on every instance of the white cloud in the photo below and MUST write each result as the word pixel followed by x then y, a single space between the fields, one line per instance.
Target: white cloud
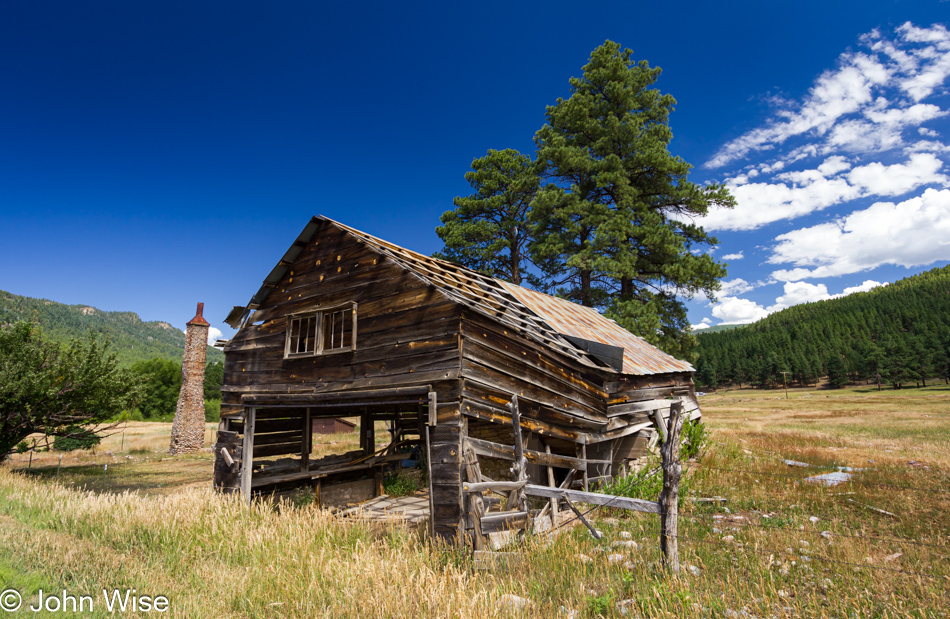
pixel 912 233
pixel 867 285
pixel 736 286
pixel 733 310
pixel 799 292
pixel 703 324
pixel 880 180
pixel 213 335
pixel 806 191
pixel 737 256
pixel 928 133
pixel 736 311
pixel 862 105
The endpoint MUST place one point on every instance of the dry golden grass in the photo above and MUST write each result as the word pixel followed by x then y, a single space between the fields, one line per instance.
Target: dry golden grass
pixel 214 557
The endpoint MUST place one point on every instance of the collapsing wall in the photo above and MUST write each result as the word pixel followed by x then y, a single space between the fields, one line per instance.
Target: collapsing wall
pixel 188 429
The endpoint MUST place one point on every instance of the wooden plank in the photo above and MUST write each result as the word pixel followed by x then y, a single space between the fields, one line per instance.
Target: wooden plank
pixel 341 396
pixel 247 459
pixel 275 438
pixel 280 449
pixel 503 486
pixel 506 452
pixel 433 408
pixel 495 415
pixel 645 406
pixel 594 498
pixel 620 433
pixel 496 522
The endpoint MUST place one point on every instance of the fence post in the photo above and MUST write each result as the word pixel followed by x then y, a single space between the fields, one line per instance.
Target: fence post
pixel 669 453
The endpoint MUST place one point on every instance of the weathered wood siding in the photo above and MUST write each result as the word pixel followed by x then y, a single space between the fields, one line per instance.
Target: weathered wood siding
pixel 496 363
pixel 407 331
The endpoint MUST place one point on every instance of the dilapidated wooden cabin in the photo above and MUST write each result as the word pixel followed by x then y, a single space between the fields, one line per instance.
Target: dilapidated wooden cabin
pixel 348 325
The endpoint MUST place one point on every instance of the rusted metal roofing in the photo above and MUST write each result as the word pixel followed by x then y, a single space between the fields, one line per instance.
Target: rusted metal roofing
pixel 639 357
pixel 541 317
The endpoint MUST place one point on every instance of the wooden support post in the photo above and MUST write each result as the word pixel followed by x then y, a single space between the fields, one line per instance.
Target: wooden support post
pixel 433 408
pixel 247 457
pixel 316 492
pixel 553 502
pixel 516 500
pixel 660 424
pixel 669 453
pixel 582 454
pixel 428 456
pixel 367 433
pixel 473 501
pixel 307 443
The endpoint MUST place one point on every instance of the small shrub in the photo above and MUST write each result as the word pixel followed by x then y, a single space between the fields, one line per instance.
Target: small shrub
pixel 693 439
pixel 76 437
pixel 400 484
pixel 212 410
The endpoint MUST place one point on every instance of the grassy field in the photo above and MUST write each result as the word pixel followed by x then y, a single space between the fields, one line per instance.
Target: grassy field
pixel 779 547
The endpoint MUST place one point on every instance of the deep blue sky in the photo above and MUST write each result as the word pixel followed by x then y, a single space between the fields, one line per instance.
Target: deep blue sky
pixel 157 154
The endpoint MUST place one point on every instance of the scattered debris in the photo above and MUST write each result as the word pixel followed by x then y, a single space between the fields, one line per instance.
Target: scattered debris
pixel 873 509
pixel 692 569
pixel 830 479
pixel 794 463
pixel 826 534
pixel 729 539
pixel 896 555
pixel 615 558
pixel 625 535
pixel 513 602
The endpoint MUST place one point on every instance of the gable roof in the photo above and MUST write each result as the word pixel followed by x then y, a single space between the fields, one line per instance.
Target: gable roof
pixel 545 319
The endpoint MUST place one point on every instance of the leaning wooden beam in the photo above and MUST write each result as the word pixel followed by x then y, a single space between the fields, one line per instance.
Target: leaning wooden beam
pixel 247 458
pixel 580 516
pixel 594 498
pixel 669 454
pixel 516 498
pixel 660 423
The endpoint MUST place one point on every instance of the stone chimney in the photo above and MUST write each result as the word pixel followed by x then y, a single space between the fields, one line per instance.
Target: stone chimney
pixel 188 430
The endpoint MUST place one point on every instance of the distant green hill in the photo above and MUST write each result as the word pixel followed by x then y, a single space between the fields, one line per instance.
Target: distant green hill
pixel 132 339
pixel 900 332
pixel 716 329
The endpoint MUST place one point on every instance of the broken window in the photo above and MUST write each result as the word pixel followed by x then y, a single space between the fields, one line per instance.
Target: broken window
pixel 330 330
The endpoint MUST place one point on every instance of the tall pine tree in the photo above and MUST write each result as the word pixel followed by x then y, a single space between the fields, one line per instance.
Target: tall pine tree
pixel 614 227
pixel 488 230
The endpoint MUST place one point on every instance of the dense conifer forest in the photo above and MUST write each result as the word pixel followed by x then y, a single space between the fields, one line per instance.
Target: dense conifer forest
pixel 132 339
pixel 897 334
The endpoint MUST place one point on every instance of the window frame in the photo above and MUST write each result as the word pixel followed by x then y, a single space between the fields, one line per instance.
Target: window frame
pixel 320 315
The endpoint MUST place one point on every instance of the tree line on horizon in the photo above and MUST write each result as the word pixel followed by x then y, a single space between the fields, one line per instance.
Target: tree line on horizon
pixel 895 335
pixel 602 214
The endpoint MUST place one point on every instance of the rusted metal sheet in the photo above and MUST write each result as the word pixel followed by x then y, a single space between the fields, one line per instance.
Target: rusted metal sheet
pixel 568 318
